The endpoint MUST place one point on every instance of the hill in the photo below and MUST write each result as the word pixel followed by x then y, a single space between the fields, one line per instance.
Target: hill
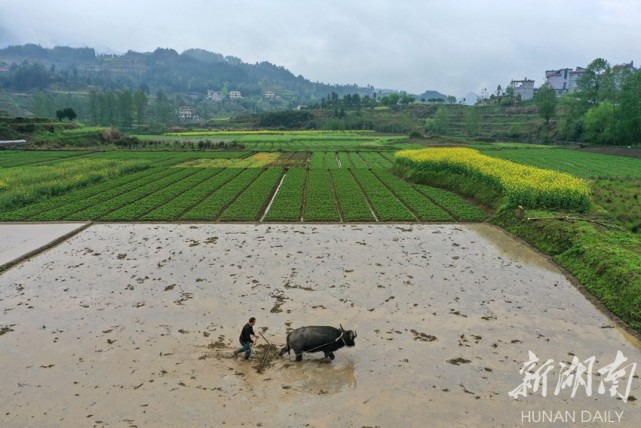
pixel 430 95
pixel 188 77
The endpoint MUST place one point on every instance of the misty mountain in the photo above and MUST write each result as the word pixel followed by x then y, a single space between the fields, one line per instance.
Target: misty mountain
pixel 192 72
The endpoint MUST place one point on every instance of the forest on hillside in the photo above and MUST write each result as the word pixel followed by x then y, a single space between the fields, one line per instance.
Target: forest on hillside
pixel 210 83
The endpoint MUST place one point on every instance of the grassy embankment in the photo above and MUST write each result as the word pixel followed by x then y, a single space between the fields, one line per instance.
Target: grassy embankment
pixel 599 245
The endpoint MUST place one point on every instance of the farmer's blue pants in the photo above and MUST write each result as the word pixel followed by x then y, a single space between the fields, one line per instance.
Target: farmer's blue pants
pixel 247 348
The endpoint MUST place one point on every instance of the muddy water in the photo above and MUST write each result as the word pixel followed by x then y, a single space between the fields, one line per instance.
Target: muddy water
pixel 133 325
pixel 19 239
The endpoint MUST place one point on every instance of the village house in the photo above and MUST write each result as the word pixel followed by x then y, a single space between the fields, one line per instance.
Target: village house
pixel 524 88
pixel 564 80
pixel 234 95
pixel 269 95
pixel 626 66
pixel 185 113
pixel 214 95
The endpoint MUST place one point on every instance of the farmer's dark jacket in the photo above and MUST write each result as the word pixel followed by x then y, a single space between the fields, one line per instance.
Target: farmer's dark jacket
pixel 248 330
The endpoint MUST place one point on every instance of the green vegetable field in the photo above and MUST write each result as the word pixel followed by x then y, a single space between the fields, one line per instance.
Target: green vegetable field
pixel 244 186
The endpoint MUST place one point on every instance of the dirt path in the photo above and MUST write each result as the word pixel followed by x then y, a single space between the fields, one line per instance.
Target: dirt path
pixel 133 325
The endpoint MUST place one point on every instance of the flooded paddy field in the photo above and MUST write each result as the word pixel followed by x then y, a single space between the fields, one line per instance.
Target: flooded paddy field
pixel 135 324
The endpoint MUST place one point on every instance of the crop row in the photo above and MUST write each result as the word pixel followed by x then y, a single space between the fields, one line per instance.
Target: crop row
pixel 320 204
pixel 60 207
pixel 101 209
pixel 318 160
pixel 358 160
pixel 385 203
pixel 187 179
pixel 459 207
pixel 26 185
pixel 174 209
pixel 164 158
pixel 288 202
pixel 351 199
pixel 13 158
pixel 256 160
pixel 343 160
pixel 422 207
pixel 361 190
pixel 376 160
pixel 211 207
pixel 251 203
pixel 584 165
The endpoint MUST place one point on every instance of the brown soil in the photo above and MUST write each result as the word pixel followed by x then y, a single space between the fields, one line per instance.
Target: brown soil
pixel 134 325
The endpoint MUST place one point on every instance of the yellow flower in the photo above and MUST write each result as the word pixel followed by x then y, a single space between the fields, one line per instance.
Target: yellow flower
pixel 523 185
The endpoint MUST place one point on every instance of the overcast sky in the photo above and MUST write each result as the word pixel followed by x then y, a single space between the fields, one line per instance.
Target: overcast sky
pixel 453 46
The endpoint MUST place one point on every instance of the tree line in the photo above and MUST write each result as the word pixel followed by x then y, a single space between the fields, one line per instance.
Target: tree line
pixel 122 109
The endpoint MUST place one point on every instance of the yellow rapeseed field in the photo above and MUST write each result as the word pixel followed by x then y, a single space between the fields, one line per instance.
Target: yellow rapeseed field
pixel 523 185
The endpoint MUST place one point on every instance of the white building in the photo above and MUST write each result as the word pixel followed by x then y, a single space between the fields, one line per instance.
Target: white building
pixel 185 113
pixel 524 88
pixel 564 80
pixel 269 95
pixel 214 95
pixel 234 95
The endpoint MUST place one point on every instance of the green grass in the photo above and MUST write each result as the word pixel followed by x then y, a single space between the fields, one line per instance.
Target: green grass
pixel 620 201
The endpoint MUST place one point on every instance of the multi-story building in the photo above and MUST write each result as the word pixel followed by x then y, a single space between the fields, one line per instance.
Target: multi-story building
pixel 214 95
pixel 185 113
pixel 564 80
pixel 524 88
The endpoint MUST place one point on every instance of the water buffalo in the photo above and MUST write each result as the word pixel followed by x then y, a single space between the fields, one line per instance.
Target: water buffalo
pixel 318 338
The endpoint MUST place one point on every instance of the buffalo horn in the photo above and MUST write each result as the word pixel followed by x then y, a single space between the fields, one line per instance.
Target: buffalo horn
pixel 355 334
pixel 341 327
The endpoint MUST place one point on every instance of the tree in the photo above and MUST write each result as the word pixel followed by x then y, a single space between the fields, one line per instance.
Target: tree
pixel 43 104
pixel 125 109
pixel 598 126
pixel 630 109
pixel 140 107
pixel 70 114
pixel 471 120
pixel 67 113
pixel 390 99
pixel 593 85
pixel 30 76
pixel 407 99
pixel 94 107
pixel 570 111
pixel 162 109
pixel 440 123
pixel 545 100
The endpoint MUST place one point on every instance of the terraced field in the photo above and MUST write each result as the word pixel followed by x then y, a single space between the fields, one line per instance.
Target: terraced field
pixel 296 186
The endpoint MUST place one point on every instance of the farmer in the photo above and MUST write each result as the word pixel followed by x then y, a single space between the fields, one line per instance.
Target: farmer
pixel 245 338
